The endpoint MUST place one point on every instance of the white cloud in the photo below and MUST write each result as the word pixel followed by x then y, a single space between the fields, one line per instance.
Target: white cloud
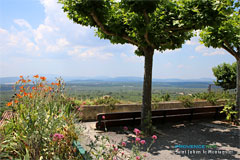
pixel 132 58
pixel 22 23
pixel 209 51
pixel 218 52
pixel 180 66
pixel 191 57
pixel 84 52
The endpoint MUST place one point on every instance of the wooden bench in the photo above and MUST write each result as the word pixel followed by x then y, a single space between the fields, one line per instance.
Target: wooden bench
pixel 158 116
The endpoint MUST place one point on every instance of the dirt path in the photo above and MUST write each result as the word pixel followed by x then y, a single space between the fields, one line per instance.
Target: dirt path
pixel 222 138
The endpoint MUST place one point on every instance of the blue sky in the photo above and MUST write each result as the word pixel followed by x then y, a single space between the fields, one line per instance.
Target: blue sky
pixel 36 37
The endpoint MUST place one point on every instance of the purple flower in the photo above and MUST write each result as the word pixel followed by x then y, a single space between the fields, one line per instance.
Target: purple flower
pixel 57 136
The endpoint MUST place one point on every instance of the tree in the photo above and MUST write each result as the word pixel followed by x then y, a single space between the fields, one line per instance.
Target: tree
pixel 226 35
pixel 150 25
pixel 226 75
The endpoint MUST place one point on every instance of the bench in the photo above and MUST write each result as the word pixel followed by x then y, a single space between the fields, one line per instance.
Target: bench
pixel 158 116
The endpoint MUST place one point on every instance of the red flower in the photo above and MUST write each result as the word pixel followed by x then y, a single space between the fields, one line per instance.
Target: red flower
pixel 36 76
pixel 21 77
pixel 43 78
pixel 9 104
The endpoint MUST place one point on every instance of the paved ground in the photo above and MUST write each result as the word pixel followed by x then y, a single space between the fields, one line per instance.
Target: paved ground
pixel 226 137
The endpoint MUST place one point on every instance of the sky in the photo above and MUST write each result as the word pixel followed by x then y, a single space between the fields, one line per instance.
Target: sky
pixel 36 37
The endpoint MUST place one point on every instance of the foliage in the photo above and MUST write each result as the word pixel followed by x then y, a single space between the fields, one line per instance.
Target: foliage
pixel 42 126
pixel 111 150
pixel 186 100
pixel 226 75
pixel 225 34
pixel 149 25
pixel 228 109
pixel 162 98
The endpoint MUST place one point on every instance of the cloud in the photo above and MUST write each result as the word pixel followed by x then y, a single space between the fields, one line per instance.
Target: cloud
pixel 219 52
pixel 22 23
pixel 209 51
pixel 191 57
pixel 132 58
pixel 84 52
pixel 180 66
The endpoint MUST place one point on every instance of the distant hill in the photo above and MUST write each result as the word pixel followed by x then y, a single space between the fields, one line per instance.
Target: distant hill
pixel 50 78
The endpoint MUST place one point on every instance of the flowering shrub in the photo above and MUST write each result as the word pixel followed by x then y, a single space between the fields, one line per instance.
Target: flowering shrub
pixel 42 126
pixel 102 148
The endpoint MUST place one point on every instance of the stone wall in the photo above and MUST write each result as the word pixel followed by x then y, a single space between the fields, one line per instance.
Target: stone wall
pixel 89 113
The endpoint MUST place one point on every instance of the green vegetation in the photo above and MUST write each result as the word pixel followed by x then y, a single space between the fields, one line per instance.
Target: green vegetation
pixel 148 25
pixel 231 114
pixel 226 35
pixel 42 126
pixel 226 75
pixel 186 100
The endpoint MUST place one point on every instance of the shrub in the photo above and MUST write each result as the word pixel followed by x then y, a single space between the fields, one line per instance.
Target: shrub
pixel 107 100
pixel 42 126
pixel 231 114
pixel 186 100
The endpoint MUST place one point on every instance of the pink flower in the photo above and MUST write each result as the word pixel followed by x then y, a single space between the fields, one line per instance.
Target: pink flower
pixel 144 155
pixel 136 131
pixel 125 128
pixel 122 153
pixel 103 117
pixel 137 139
pixel 138 157
pixel 57 136
pixel 142 141
pixel 116 149
pixel 124 144
pixel 154 137
pixel 84 103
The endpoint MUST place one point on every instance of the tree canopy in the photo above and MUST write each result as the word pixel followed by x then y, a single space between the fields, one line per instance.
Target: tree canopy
pixel 148 24
pixel 226 75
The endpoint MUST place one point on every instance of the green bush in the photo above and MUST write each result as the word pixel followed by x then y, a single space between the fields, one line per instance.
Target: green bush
pixel 42 126
pixel 231 114
pixel 186 100
pixel 107 100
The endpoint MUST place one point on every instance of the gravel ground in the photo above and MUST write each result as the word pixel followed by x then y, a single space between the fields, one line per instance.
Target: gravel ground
pixel 225 136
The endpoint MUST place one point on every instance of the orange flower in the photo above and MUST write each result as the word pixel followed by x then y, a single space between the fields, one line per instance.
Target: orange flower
pixel 21 77
pixel 19 96
pixel 50 88
pixel 36 76
pixel 24 81
pixel 53 83
pixel 9 104
pixel 33 88
pixel 29 80
pixel 40 85
pixel 30 95
pixel 22 87
pixel 21 90
pixel 16 101
pixel 43 78
pixel 57 84
pixel 25 94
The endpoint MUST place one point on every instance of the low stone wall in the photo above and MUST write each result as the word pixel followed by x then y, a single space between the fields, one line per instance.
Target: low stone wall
pixel 89 113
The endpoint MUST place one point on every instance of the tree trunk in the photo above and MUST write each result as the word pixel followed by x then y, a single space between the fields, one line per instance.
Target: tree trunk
pixel 238 88
pixel 146 115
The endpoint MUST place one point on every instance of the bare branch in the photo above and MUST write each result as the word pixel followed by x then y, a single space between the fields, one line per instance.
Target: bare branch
pixel 146 33
pixel 107 32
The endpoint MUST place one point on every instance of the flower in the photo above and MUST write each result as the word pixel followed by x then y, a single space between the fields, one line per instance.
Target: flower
pixel 84 103
pixel 116 149
pixel 154 137
pixel 16 101
pixel 29 80
pixel 144 155
pixel 57 84
pixel 22 87
pixel 136 131
pixel 43 78
pixel 125 128
pixel 138 157
pixel 19 96
pixel 36 76
pixel 103 117
pixel 24 81
pixel 57 136
pixel 33 88
pixel 21 77
pixel 9 104
pixel 124 144
pixel 137 140
pixel 142 141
